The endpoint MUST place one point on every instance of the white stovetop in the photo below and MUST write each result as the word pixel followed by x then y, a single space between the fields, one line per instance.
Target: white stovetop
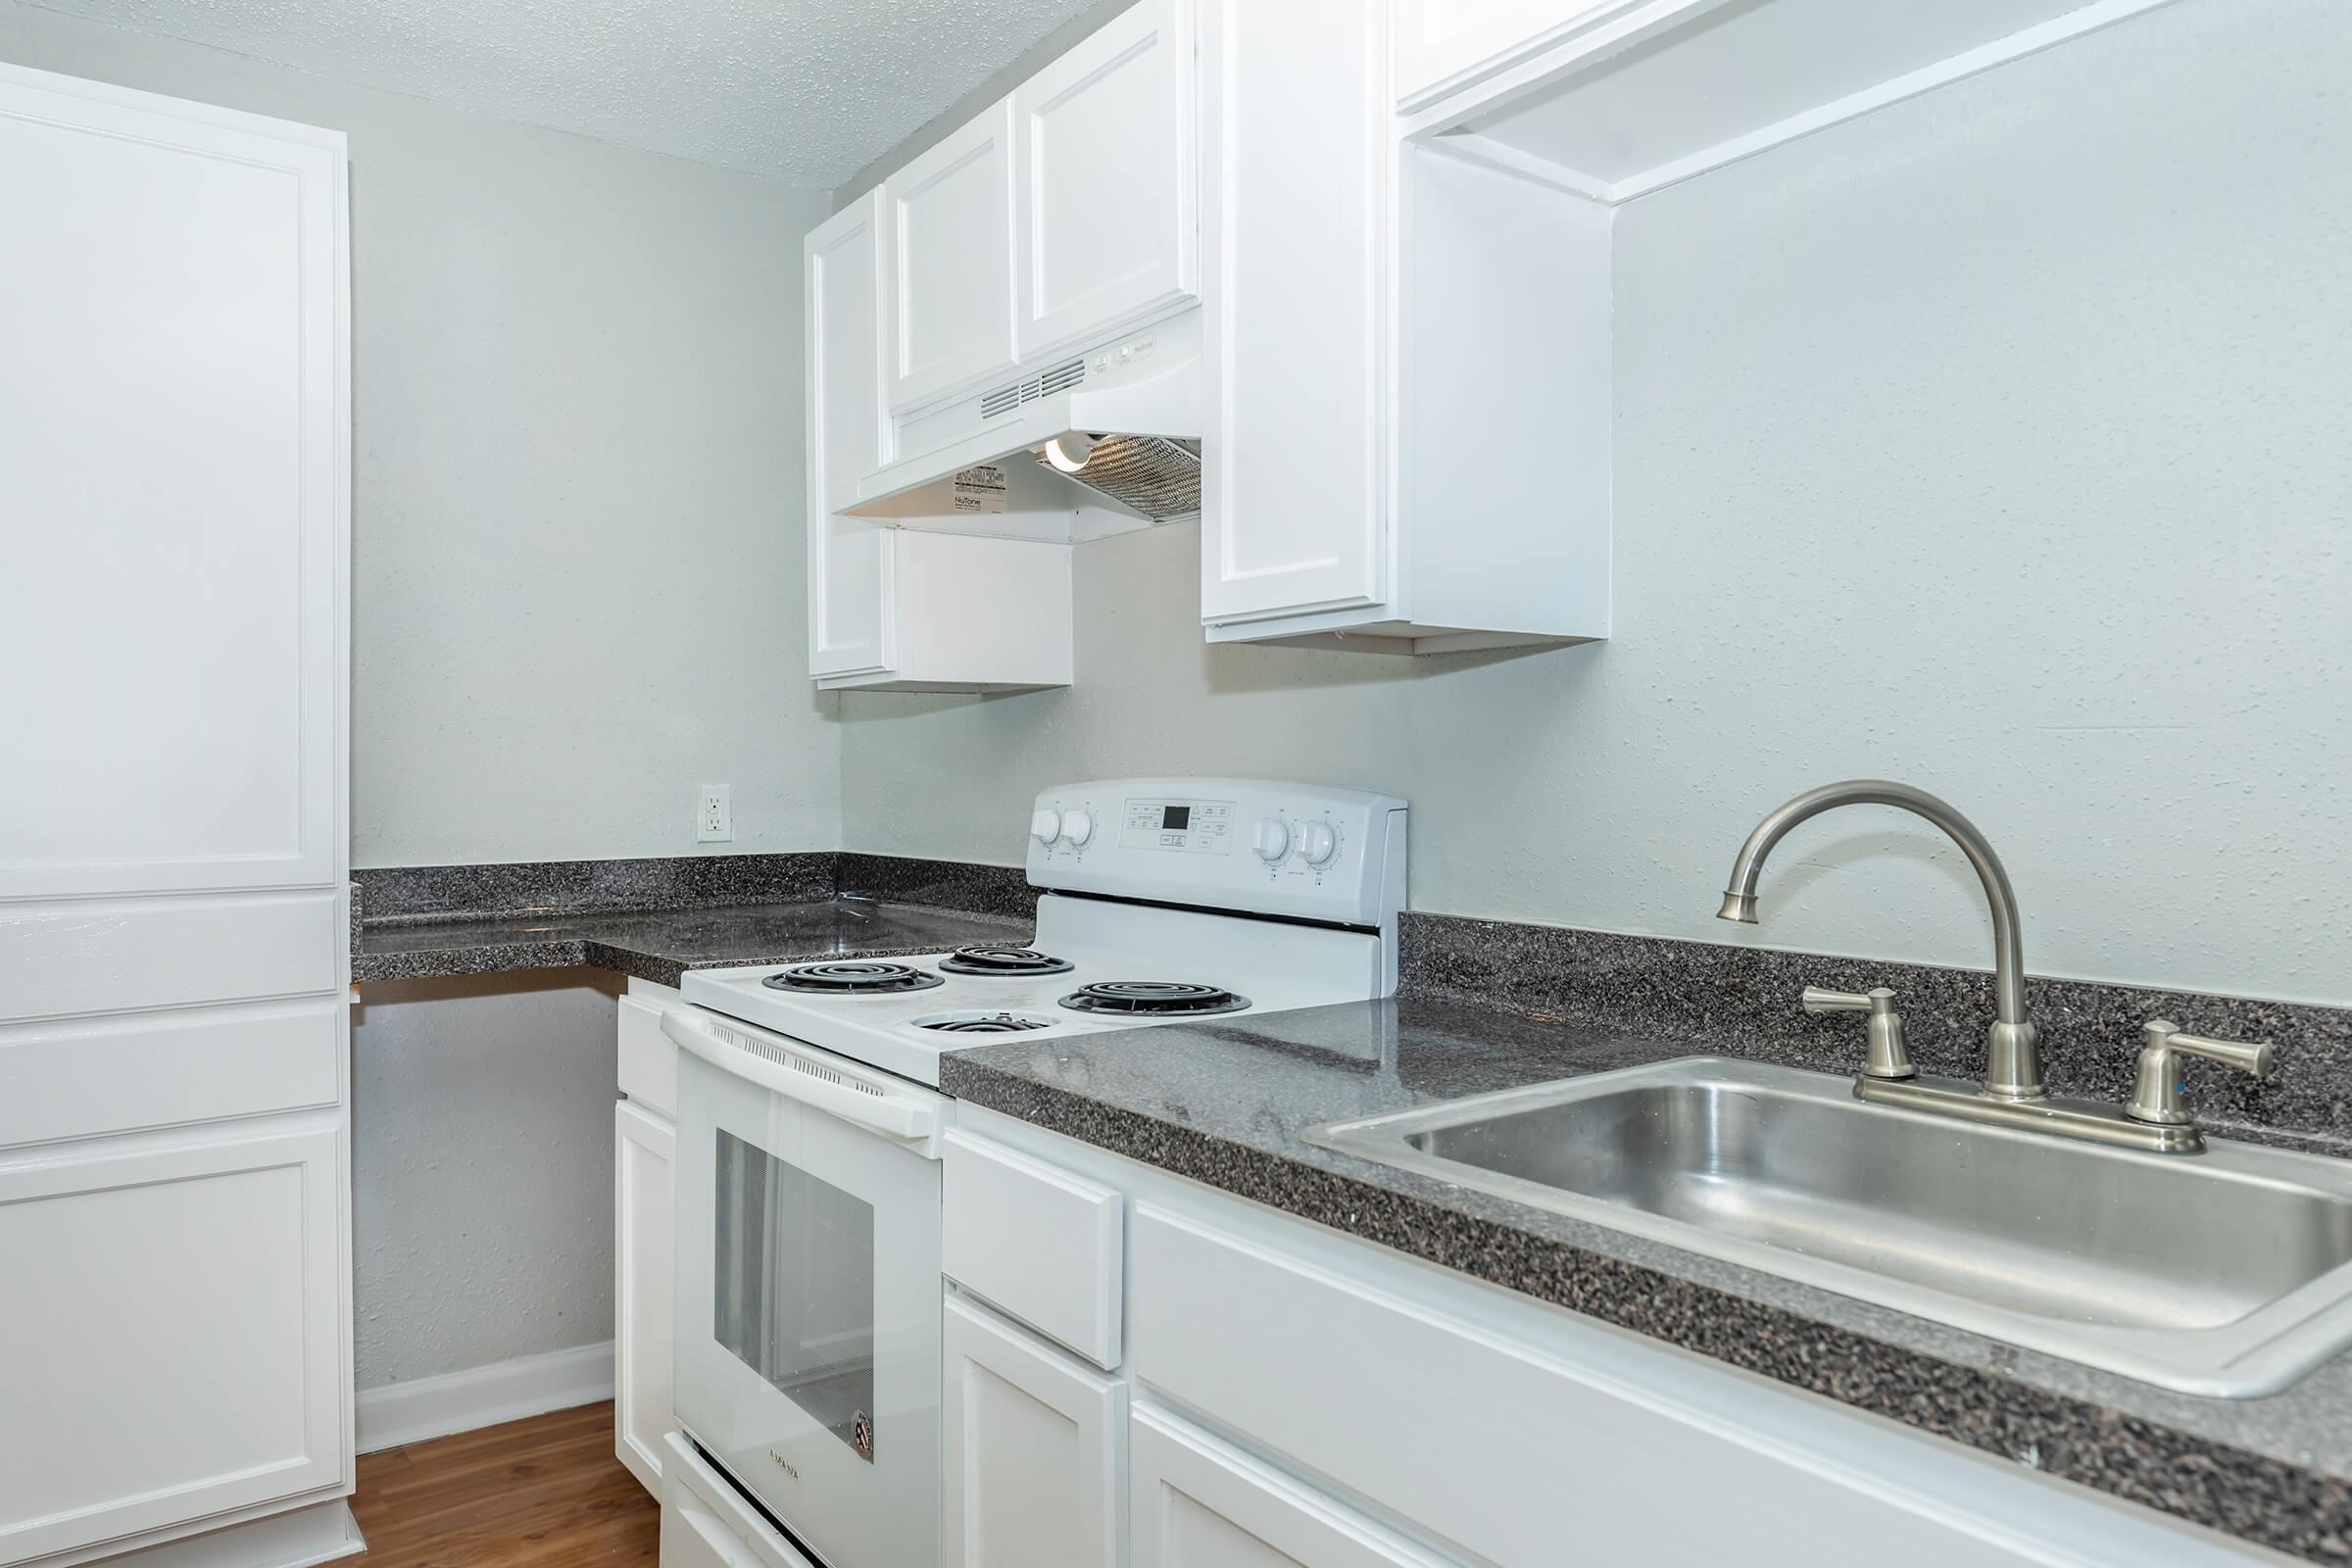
pixel 1276 966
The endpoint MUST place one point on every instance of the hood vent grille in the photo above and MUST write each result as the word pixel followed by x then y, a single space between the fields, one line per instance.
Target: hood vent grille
pixel 1147 474
pixel 1012 394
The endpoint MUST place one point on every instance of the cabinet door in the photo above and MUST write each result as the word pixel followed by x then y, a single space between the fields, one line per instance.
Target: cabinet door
pixel 1444 44
pixel 947 258
pixel 1034 1449
pixel 175 1310
pixel 1110 226
pixel 842 269
pixel 852 597
pixel 850 560
pixel 1292 495
pixel 172 436
pixel 645 1149
pixel 1202 1504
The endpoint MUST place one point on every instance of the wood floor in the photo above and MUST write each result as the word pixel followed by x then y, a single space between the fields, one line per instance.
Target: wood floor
pixel 544 1493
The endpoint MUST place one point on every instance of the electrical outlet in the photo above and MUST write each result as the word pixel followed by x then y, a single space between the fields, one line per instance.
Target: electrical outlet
pixel 713 816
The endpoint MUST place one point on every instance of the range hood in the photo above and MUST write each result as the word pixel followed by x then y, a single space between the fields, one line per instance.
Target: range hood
pixel 1102 442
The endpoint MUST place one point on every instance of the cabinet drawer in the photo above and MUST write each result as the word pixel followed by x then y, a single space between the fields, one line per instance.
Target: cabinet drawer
pixel 157 1069
pixel 116 955
pixel 649 1061
pixel 706 1522
pixel 1039 1244
pixel 1491 1441
pixel 693 1537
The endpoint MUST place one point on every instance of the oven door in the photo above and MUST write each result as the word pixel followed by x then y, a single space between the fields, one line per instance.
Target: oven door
pixel 808 1307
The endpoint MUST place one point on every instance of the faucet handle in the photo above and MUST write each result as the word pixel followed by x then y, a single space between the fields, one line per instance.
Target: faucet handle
pixel 2156 1097
pixel 1888 1057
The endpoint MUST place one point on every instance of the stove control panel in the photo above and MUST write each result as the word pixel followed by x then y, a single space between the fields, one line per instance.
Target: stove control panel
pixel 1301 851
pixel 1187 826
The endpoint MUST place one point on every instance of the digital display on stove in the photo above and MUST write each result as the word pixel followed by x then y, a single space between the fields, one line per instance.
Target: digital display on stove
pixel 1175 818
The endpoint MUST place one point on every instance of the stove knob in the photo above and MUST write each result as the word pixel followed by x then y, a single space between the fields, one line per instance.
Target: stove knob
pixel 1317 844
pixel 1273 840
pixel 1046 827
pixel 1077 826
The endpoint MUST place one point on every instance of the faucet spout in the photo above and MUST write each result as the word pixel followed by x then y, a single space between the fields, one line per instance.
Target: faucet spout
pixel 2013 1068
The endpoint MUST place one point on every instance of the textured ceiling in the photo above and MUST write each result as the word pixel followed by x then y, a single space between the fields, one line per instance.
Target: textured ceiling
pixel 808 92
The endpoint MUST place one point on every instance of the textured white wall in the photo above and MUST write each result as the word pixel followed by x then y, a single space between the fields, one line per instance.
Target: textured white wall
pixel 482 1169
pixel 577 561
pixel 1996 443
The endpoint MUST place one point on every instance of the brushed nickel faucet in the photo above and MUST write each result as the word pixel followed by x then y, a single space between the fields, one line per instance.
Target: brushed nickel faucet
pixel 2013 1061
pixel 2155 1118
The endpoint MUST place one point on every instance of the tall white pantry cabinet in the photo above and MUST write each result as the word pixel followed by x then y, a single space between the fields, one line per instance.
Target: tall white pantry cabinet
pixel 175 1133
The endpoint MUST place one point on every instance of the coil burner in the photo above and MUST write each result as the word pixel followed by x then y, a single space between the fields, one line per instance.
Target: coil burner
pixel 851 978
pixel 1154 999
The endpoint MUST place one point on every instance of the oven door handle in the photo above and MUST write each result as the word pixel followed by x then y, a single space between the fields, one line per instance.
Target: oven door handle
pixel 897 1116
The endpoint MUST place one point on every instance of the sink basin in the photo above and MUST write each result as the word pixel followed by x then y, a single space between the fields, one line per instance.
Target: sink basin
pixel 2227 1272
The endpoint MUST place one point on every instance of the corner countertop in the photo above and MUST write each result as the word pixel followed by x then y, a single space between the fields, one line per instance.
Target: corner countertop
pixel 1227 1104
pixel 661 945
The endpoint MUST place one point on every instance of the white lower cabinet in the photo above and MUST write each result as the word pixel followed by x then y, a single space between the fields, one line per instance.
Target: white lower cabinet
pixel 1199 1504
pixel 1302 1397
pixel 645 1149
pixel 174 1330
pixel 644 1152
pixel 1035 1448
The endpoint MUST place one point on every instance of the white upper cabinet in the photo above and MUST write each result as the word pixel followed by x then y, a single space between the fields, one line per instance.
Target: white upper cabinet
pixel 850 560
pixel 1107 227
pixel 1442 44
pixel 171 440
pixel 947 228
pixel 1063 215
pixel 888 609
pixel 1292 488
pixel 843 258
pixel 1408 364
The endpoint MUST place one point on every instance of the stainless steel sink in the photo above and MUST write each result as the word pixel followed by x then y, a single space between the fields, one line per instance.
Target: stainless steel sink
pixel 2227 1272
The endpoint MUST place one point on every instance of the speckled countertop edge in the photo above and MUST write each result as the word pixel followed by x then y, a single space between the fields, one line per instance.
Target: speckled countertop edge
pixel 662 945
pixel 655 919
pixel 2025 1407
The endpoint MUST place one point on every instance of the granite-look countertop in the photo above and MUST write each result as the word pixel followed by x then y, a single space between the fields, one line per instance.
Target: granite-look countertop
pixel 1227 1104
pixel 661 945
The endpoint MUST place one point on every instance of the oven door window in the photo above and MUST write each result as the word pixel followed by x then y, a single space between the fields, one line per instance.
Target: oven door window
pixel 793 1288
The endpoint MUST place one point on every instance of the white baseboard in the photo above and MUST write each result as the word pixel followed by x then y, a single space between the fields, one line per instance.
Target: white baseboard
pixel 484 1395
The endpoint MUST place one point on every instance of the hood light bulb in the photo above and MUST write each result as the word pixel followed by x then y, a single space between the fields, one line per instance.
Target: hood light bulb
pixel 1069 452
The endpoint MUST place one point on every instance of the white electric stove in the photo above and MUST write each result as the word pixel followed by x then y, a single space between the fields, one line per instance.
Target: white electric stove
pixel 809 1136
